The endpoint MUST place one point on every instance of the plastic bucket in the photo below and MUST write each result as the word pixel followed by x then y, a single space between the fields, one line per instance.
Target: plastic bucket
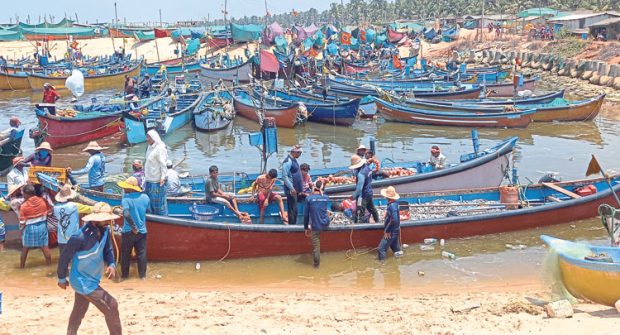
pixel 203 212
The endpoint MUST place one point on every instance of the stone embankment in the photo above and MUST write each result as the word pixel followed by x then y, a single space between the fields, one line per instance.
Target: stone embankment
pixel 595 72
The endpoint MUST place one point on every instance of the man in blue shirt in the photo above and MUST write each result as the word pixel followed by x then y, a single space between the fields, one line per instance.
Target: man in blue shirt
pixel 391 226
pixel 89 250
pixel 67 213
pixel 293 182
pixel 95 167
pixel 363 189
pixel 135 203
pixel 315 216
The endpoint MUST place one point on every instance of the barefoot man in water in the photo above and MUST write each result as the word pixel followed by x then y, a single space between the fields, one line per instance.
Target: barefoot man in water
pixel 89 249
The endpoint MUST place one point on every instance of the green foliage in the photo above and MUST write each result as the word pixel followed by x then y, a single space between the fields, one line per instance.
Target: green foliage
pixel 382 11
pixel 566 47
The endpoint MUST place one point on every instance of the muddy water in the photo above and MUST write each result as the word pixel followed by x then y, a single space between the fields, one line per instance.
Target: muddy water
pixel 542 148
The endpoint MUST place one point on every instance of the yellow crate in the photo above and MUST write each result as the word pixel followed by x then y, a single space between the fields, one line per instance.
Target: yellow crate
pixel 59 173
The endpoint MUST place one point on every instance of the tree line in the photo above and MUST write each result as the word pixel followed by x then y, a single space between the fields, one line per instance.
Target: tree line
pixel 356 12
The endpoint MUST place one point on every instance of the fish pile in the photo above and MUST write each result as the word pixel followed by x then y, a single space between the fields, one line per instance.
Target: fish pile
pixel 446 208
pixel 66 113
pixel 342 180
pixel 399 172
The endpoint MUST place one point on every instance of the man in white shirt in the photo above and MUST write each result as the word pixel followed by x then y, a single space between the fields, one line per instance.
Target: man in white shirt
pixel 173 182
pixel 437 159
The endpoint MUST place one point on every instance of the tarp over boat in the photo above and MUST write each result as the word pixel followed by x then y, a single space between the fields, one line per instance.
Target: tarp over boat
pixel 303 33
pixel 246 32
pixel 271 32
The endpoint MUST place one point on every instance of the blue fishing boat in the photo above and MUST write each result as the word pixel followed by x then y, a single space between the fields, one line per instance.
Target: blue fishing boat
pixel 354 90
pixel 321 111
pixel 176 67
pixel 246 32
pixel 450 34
pixel 214 112
pixel 160 116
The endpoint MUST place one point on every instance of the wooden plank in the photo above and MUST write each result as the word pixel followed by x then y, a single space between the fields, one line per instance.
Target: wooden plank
pixel 554 199
pixel 562 190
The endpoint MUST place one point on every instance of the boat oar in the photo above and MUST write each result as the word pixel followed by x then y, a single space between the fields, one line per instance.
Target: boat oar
pixel 593 168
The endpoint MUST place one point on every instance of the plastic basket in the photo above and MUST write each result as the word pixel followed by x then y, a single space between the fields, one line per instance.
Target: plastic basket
pixel 203 212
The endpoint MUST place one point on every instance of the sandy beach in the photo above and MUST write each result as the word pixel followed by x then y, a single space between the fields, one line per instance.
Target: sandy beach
pixel 147 308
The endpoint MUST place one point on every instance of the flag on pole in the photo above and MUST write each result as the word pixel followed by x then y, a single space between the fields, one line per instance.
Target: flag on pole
pixel 268 62
pixel 345 38
pixel 396 62
pixel 593 167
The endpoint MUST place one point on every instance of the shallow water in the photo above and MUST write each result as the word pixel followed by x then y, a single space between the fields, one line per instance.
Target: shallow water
pixel 542 148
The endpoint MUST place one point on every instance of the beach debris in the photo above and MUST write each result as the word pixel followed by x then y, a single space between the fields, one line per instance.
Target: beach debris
pixel 425 247
pixel 573 226
pixel 442 243
pixel 430 241
pixel 559 309
pixel 405 245
pixel 197 266
pixel 448 255
pixel 421 273
pixel 617 305
pixel 158 276
pixel 467 307
pixel 516 246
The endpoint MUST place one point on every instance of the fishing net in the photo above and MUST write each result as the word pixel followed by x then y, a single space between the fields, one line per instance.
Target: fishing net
pixel 552 274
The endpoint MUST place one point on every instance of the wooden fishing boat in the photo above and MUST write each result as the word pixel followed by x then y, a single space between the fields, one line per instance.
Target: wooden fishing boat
pixel 321 111
pixel 159 117
pixel 80 126
pixel 185 239
pixel 220 41
pixel 450 34
pixel 506 89
pixel 398 84
pixel 353 68
pixel 583 110
pixel 212 114
pixel 370 90
pixel 91 82
pixel 558 109
pixel 395 36
pixel 14 81
pixel 475 170
pixel 179 67
pixel 249 107
pixel 9 149
pixel 401 113
pixel 525 100
pixel 240 73
pixel 584 277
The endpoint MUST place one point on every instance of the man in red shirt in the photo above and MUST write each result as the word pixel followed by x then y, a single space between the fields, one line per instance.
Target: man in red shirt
pixel 50 96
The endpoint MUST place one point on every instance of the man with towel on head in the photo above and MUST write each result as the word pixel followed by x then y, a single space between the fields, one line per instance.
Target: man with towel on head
pixel 89 250
pixel 437 159
pixel 155 170
pixel 95 167
pixel 33 214
pixel 363 189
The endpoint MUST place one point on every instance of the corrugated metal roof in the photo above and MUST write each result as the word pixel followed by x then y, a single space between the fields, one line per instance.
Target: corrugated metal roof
pixel 606 22
pixel 582 16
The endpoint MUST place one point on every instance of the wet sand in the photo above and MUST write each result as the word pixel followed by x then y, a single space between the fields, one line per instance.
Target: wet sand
pixel 148 308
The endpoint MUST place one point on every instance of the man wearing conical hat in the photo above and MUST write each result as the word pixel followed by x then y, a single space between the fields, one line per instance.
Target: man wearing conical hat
pixel 95 167
pixel 89 250
pixel 363 189
pixel 391 225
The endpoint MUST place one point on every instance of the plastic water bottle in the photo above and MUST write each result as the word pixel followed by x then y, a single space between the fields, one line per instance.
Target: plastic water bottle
pixel 448 255
pixel 430 241
pixel 197 266
pixel 426 247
